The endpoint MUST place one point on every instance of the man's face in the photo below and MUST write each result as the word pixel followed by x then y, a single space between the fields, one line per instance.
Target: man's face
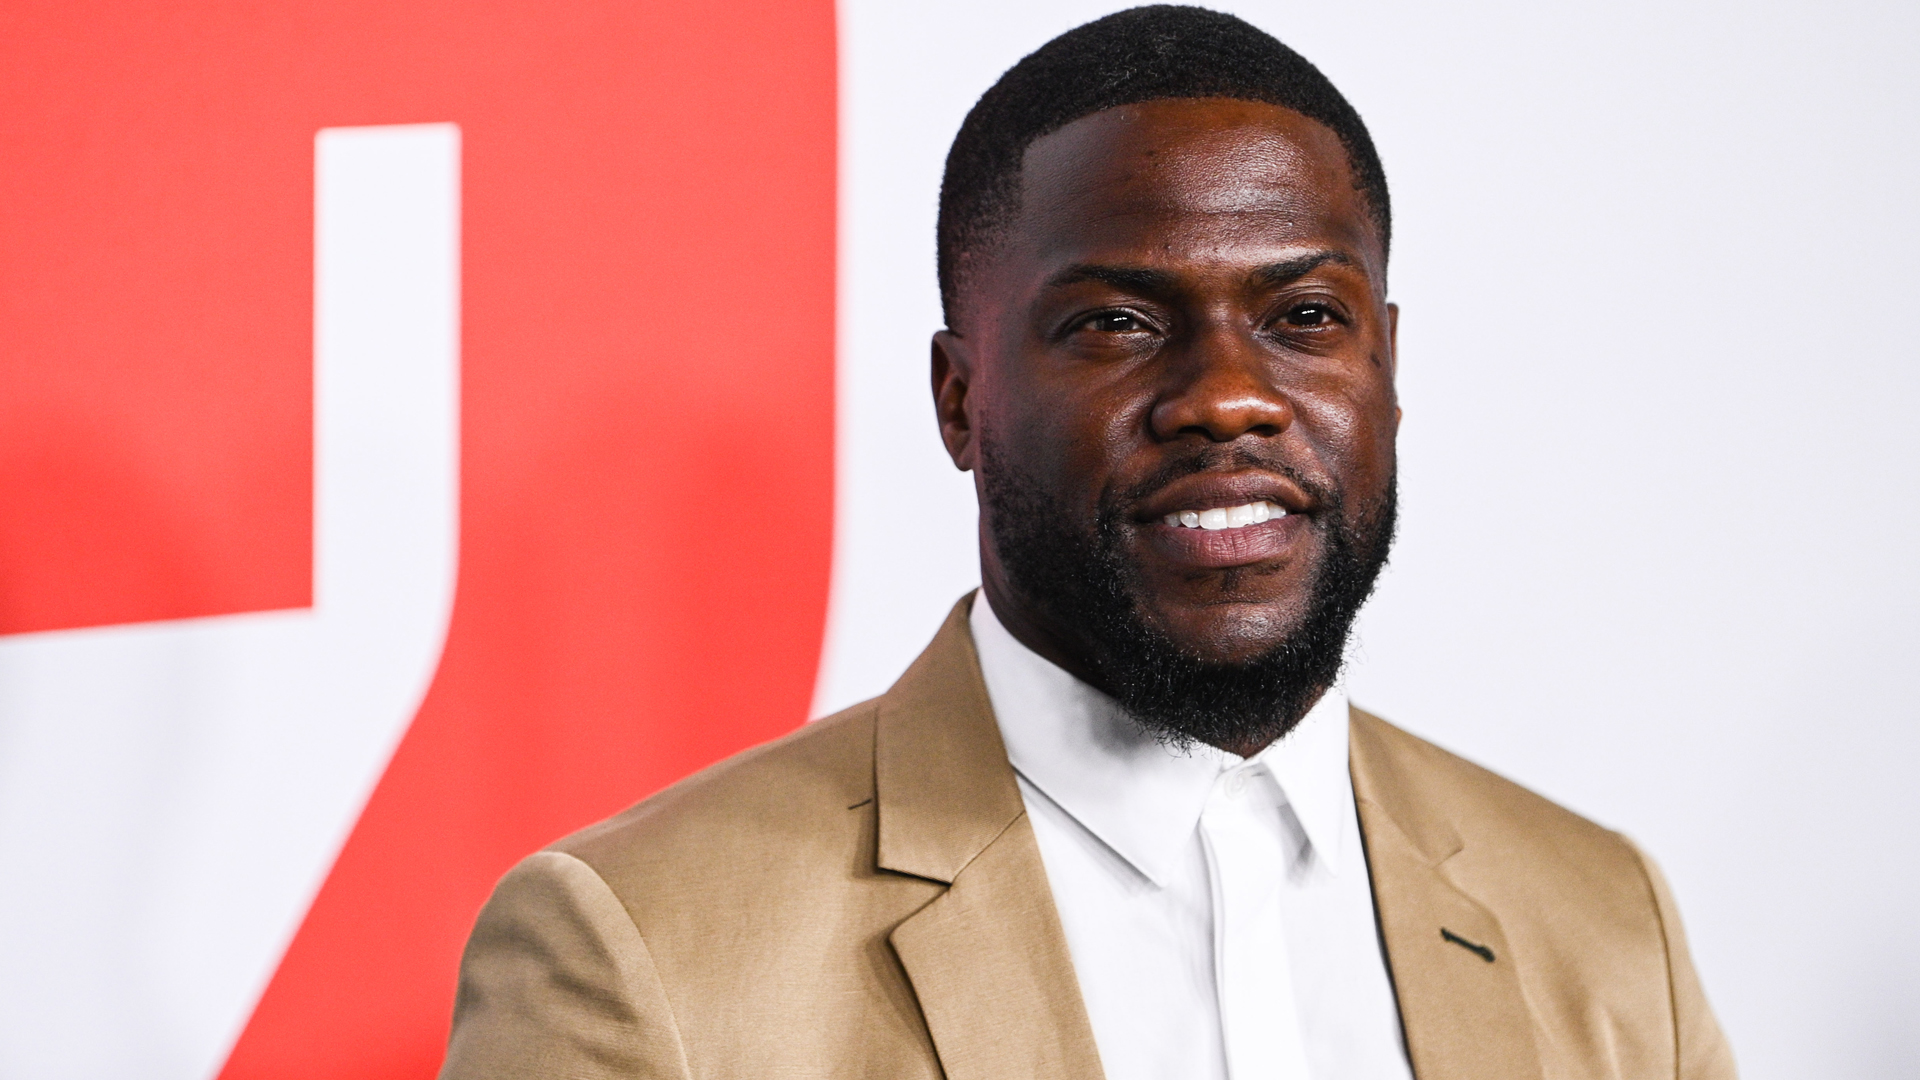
pixel 1185 321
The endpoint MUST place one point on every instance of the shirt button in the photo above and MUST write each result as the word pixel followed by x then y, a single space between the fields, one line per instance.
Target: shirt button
pixel 1236 783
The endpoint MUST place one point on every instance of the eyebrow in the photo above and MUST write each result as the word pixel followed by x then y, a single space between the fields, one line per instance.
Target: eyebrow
pixel 1282 272
pixel 1132 279
pixel 1143 280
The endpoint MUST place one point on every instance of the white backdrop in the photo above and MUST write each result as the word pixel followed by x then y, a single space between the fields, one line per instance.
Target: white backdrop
pixel 1658 471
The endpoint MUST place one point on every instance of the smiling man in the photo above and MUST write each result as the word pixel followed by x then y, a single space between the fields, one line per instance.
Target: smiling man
pixel 1119 819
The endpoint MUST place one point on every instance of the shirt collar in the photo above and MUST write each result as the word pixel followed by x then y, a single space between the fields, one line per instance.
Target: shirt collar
pixel 1139 797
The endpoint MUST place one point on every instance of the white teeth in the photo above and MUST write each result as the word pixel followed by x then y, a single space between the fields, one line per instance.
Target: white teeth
pixel 1230 517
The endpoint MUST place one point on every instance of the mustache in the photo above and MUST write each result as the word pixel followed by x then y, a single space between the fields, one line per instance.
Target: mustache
pixel 1215 458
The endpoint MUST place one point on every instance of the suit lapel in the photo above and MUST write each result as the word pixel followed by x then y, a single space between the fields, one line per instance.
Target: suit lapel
pixel 991 969
pixel 987 958
pixel 1456 980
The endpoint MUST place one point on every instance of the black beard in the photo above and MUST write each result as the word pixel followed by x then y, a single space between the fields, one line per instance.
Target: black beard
pixel 1082 582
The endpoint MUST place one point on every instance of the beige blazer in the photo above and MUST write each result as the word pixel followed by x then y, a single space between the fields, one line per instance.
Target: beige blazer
pixel 864 898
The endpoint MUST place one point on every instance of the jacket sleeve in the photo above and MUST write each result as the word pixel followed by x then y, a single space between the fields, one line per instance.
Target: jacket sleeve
pixel 1701 1051
pixel 556 982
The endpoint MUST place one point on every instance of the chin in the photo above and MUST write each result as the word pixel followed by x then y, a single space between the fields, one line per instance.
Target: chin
pixel 1228 633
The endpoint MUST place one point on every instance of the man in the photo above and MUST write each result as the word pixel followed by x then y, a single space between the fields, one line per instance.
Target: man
pixel 1118 819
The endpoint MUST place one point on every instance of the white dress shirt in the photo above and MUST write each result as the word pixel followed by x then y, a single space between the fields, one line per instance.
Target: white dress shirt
pixel 1217 908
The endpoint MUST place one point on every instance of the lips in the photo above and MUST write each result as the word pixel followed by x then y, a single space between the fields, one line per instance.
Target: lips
pixel 1215 521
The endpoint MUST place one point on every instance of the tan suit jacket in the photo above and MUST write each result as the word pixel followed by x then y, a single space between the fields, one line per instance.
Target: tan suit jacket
pixel 864 898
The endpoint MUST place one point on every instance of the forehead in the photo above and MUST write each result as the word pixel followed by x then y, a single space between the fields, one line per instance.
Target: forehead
pixel 1173 175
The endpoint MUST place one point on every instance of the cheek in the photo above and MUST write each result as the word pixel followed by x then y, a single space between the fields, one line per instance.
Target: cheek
pixel 1072 427
pixel 1352 431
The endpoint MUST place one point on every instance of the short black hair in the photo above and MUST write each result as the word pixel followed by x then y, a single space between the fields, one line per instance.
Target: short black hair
pixel 1143 54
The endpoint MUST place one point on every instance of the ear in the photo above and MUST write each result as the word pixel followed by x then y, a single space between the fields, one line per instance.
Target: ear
pixel 1393 353
pixel 952 378
pixel 1393 340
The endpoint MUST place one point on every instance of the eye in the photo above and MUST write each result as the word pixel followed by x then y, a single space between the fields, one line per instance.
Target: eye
pixel 1115 322
pixel 1309 314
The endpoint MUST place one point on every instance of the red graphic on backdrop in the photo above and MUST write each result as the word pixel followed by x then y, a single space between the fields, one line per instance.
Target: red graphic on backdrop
pixel 648 296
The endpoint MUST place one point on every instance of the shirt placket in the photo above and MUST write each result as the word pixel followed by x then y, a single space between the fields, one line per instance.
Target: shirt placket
pixel 1247 863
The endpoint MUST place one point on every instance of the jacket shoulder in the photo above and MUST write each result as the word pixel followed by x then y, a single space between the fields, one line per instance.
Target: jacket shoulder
pixel 748 901
pixel 1514 849
pixel 790 791
pixel 1424 781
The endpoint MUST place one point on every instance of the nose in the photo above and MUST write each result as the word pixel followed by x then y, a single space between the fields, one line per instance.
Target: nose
pixel 1220 389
